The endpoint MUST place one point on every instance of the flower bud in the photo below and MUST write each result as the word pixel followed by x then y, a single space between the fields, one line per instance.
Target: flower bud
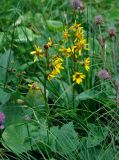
pixel 20 101
pixel 46 46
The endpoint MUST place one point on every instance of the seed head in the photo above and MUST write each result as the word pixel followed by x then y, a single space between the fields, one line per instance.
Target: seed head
pixel 46 46
pixel 77 4
pixel 103 74
pixel 112 31
pixel 98 20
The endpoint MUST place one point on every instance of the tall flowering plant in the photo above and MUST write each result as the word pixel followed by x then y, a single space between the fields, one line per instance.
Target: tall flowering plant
pixel 73 46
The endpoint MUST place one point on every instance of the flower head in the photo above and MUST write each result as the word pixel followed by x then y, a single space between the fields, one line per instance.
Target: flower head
pixel 37 53
pixel 103 74
pixel 77 4
pixel 78 77
pixel 57 62
pixel 79 34
pixel 98 20
pixel 65 51
pixel 112 32
pixel 52 74
pixel 82 44
pixel 58 67
pixel 75 26
pixel 33 87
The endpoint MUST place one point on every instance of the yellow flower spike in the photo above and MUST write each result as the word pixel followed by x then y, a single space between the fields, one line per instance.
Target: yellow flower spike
pixel 86 63
pixel 78 77
pixel 37 53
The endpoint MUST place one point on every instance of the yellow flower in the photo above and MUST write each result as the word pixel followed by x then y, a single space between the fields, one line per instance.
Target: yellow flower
pixel 58 67
pixel 75 27
pixel 57 60
pixel 52 74
pixel 66 51
pixel 86 63
pixel 79 34
pixel 37 53
pixel 66 34
pixel 73 48
pixel 58 64
pixel 78 77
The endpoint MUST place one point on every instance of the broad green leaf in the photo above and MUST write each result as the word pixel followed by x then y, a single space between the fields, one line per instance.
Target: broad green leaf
pixel 24 34
pixel 68 140
pixel 98 96
pixel 96 135
pixel 96 154
pixel 55 25
pixel 89 94
pixel 36 99
pixel 13 113
pixel 14 138
pixel 4 96
pixel 53 138
pixel 5 60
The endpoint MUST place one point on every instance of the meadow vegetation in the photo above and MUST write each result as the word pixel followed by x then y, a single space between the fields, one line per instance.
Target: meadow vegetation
pixel 59 80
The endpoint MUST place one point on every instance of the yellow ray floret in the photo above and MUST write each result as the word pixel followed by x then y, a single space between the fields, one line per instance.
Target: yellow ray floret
pixel 86 63
pixel 52 74
pixel 37 53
